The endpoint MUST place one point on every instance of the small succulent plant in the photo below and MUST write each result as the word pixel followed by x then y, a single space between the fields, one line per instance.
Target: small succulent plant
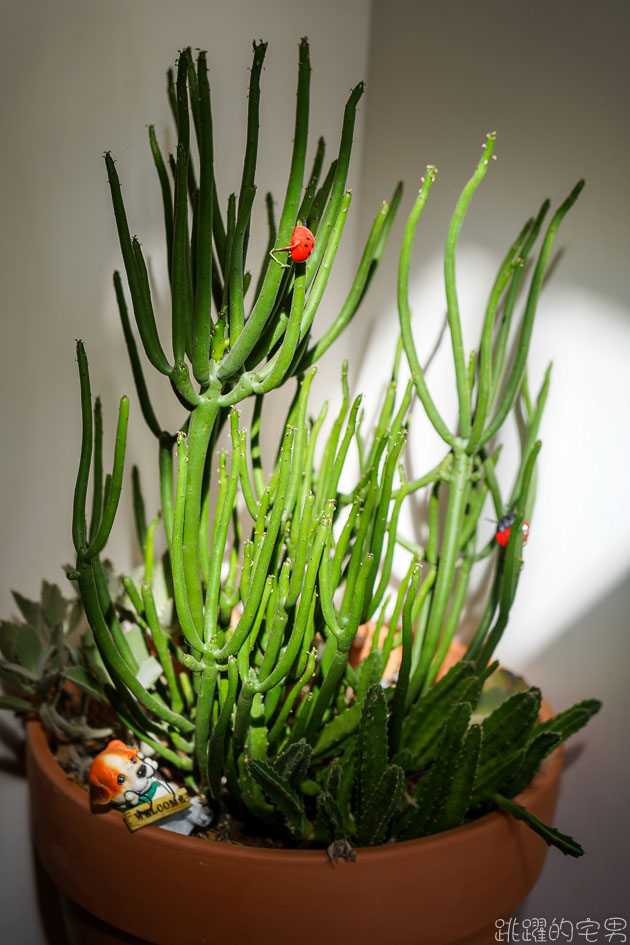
pixel 39 655
pixel 231 654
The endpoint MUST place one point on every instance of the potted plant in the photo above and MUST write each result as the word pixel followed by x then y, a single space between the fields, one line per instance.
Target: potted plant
pixel 231 655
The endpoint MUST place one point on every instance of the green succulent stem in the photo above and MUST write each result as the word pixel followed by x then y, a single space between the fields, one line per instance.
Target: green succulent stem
pixel 203 323
pixel 180 585
pixel 267 296
pixel 449 550
pixel 79 525
pixel 145 319
pixel 113 660
pixel 518 368
pixel 454 322
pixel 200 431
pixel 404 310
pixel 402 683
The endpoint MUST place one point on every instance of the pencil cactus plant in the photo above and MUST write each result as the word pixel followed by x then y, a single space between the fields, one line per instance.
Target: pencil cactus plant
pixel 230 654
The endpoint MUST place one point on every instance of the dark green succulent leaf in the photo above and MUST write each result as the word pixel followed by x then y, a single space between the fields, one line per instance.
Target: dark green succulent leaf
pixel 337 730
pixel 384 804
pixel 368 673
pixel 345 723
pixel 372 748
pixel 471 693
pixel 348 769
pixel 550 835
pixel 508 728
pixel 28 648
pixel 421 729
pixel 433 789
pixel 53 605
pixel 67 728
pixel 497 770
pixel 16 705
pixel 334 779
pixel 402 758
pixel 457 800
pixel 9 633
pixel 293 763
pixel 330 817
pixel 42 662
pixel 19 678
pixel 496 691
pixel 31 611
pixel 537 750
pixel 58 653
pixel 73 656
pixel 571 720
pixel 86 683
pixel 75 615
pixel 283 797
pixel 248 789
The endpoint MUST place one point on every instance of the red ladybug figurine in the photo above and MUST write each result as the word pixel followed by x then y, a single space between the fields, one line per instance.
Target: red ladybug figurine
pixel 301 246
pixel 504 525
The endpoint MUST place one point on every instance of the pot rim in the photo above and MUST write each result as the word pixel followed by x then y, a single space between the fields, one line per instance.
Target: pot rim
pixel 474 831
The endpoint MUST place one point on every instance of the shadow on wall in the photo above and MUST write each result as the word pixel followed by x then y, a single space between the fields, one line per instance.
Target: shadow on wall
pixel 590 658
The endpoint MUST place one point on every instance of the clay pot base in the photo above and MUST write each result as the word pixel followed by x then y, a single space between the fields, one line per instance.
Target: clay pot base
pixel 447 889
pixel 86 929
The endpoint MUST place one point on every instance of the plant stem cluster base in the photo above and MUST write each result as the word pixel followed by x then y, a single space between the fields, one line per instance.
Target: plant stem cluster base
pixel 446 889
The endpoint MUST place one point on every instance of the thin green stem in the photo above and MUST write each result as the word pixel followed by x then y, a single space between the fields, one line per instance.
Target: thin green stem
pixel 402 683
pixel 200 430
pixel 222 518
pixel 264 304
pixel 113 494
pixel 404 310
pixel 182 603
pixel 160 639
pixel 216 747
pixel 456 508
pixel 145 318
pixel 167 196
pixel 182 301
pixel 504 275
pixel 459 358
pixel 203 282
pixel 514 383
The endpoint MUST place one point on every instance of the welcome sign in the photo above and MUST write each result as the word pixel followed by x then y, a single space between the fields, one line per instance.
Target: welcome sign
pixel 156 809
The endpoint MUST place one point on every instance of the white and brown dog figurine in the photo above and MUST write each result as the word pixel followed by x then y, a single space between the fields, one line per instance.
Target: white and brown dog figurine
pixel 123 777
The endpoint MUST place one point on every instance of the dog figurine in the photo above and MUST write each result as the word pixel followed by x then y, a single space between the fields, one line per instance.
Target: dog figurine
pixel 121 776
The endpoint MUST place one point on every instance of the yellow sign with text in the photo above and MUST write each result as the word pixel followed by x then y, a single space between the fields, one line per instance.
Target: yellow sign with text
pixel 156 809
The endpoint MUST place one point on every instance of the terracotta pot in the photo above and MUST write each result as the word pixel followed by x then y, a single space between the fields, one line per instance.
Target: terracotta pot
pixel 171 890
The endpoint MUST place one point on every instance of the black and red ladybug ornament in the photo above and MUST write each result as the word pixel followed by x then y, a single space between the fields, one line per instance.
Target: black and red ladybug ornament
pixel 301 246
pixel 504 527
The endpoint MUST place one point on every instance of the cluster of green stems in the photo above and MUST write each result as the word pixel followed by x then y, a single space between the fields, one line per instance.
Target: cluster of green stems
pixel 259 654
